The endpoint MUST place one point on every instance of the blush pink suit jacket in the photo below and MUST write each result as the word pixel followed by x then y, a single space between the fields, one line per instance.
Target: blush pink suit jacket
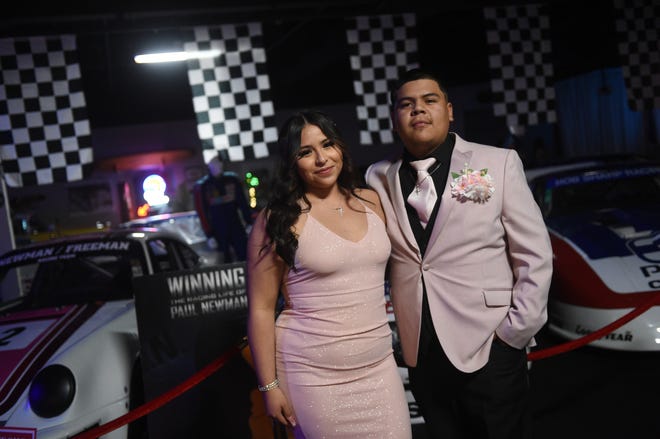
pixel 487 267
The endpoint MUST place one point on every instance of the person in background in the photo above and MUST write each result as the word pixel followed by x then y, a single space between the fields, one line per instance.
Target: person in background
pixel 223 210
pixel 325 365
pixel 183 199
pixel 470 270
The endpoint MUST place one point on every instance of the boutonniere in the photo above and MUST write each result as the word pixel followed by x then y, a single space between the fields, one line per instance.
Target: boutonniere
pixel 472 185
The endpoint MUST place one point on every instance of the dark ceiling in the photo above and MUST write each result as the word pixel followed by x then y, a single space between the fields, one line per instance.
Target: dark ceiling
pixel 23 18
pixel 110 33
pixel 307 61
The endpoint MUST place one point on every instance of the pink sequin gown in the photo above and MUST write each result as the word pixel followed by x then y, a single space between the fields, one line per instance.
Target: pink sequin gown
pixel 334 344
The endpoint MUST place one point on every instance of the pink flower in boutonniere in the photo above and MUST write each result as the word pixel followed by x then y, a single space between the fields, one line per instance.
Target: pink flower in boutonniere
pixel 472 185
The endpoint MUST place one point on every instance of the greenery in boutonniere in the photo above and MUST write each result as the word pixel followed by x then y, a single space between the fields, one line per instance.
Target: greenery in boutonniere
pixel 472 185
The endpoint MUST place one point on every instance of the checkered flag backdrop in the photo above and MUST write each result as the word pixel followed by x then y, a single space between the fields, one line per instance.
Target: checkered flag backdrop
pixel 231 92
pixel 44 129
pixel 638 30
pixel 519 52
pixel 381 47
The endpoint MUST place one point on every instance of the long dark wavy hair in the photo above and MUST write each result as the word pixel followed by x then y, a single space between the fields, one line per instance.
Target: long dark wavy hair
pixel 287 187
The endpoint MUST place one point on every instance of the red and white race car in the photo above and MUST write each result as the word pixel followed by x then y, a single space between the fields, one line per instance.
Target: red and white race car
pixel 69 347
pixel 603 217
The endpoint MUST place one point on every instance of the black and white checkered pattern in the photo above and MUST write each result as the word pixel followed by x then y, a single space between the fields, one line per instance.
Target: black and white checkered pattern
pixel 519 57
pixel 381 47
pixel 231 92
pixel 638 30
pixel 44 129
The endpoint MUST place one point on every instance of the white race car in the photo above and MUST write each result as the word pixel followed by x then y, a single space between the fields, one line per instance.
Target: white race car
pixel 69 347
pixel 603 217
pixel 186 224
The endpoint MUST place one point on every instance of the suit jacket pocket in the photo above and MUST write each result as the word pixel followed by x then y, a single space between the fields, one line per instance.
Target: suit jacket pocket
pixel 497 297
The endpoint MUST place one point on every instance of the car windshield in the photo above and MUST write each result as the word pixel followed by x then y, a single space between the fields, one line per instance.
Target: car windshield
pixel 186 224
pixel 55 278
pixel 601 190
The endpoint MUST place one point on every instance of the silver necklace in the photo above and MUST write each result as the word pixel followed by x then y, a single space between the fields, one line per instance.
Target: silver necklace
pixel 339 210
pixel 419 183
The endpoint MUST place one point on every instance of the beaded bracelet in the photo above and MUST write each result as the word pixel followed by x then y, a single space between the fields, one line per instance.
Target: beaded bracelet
pixel 269 386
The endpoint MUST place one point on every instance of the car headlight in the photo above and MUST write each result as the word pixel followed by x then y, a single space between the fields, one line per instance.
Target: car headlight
pixel 52 391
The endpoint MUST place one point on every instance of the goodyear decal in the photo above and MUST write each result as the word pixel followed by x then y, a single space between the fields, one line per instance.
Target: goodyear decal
pixel 615 336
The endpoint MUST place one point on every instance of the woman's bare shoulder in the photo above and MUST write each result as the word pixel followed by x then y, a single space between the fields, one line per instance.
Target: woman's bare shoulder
pixel 371 196
pixel 368 194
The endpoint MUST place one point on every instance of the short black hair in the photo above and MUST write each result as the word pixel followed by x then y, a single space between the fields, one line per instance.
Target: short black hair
pixel 414 75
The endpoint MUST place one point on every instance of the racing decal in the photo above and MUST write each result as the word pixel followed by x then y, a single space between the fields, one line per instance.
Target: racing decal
pixel 14 337
pixel 63 251
pixel 18 433
pixel 647 248
pixel 634 270
pixel 598 242
pixel 32 345
pixel 575 282
pixel 603 175
pixel 652 272
pixel 616 336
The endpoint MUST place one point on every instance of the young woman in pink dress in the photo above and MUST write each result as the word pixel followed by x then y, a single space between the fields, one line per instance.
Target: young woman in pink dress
pixel 325 364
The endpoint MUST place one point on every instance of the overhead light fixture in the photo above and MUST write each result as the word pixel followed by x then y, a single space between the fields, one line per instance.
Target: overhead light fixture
pixel 150 58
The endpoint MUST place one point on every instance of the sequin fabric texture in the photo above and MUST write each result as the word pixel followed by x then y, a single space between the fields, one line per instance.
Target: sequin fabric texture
pixel 334 344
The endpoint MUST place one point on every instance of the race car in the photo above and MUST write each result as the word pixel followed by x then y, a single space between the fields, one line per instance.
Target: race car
pixel 69 346
pixel 186 224
pixel 603 217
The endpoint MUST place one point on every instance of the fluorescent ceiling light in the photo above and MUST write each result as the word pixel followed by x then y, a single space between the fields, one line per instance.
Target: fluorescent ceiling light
pixel 150 58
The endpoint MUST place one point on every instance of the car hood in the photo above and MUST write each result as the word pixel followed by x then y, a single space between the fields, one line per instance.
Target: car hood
pixel 29 338
pixel 619 245
pixel 612 232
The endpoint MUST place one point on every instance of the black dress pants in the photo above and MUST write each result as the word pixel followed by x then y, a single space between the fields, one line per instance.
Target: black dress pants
pixel 491 403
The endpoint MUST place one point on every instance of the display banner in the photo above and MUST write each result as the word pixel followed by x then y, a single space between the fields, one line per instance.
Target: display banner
pixel 520 60
pixel 637 24
pixel 231 91
pixel 382 48
pixel 186 320
pixel 45 136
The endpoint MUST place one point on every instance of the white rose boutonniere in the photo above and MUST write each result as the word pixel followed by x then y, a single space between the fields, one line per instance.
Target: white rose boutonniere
pixel 472 185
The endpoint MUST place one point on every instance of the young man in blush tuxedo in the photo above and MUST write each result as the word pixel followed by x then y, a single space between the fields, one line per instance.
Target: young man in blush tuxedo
pixel 470 268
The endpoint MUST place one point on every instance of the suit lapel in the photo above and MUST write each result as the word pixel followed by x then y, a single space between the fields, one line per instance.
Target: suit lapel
pixel 460 156
pixel 396 195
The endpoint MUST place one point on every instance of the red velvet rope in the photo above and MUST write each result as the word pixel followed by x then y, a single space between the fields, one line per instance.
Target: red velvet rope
pixel 220 361
pixel 574 344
